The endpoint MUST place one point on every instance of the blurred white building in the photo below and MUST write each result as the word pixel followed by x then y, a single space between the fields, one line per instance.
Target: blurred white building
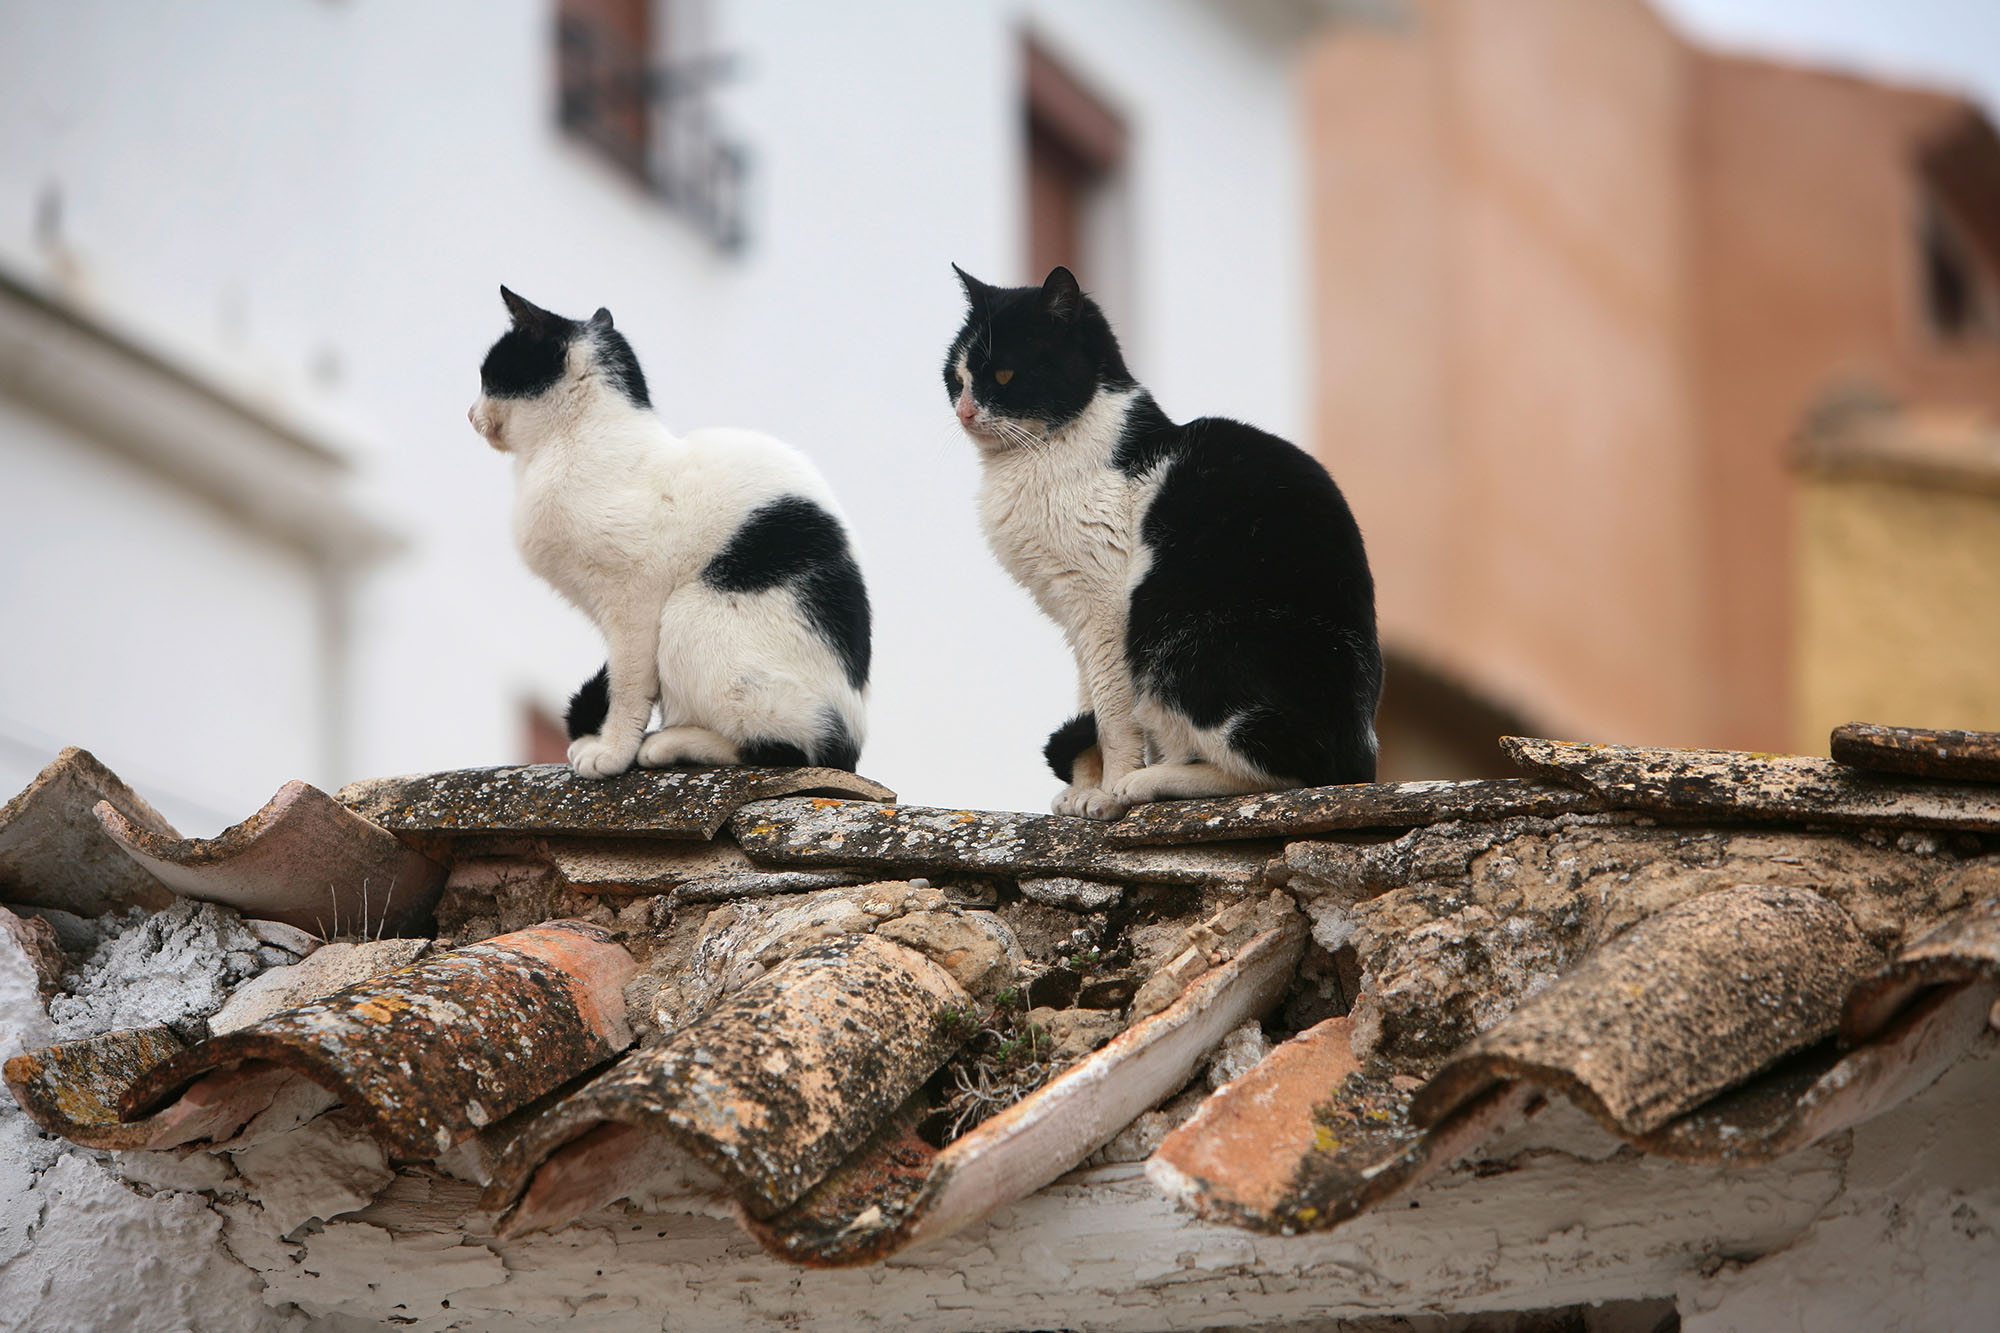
pixel 249 254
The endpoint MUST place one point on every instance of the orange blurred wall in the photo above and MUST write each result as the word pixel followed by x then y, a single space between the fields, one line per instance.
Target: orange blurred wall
pixel 1579 284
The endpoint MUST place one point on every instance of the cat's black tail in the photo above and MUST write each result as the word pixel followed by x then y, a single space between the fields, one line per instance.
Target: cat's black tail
pixel 590 705
pixel 1069 741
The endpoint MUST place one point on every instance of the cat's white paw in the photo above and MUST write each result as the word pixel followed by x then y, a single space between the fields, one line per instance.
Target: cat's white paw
pixel 1090 803
pixel 686 745
pixel 592 757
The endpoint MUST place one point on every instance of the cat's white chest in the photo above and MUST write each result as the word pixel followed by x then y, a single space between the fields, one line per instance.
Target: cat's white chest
pixel 1064 524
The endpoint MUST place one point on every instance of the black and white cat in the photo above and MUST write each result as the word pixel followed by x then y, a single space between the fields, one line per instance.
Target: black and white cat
pixel 715 563
pixel 1208 576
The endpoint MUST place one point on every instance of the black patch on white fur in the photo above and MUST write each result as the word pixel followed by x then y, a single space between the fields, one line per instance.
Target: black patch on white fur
pixel 1257 611
pixel 1053 339
pixel 834 747
pixel 531 358
pixel 589 706
pixel 1068 742
pixel 792 542
pixel 620 367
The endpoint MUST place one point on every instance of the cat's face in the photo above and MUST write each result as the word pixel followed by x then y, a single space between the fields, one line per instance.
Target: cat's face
pixel 1028 360
pixel 544 363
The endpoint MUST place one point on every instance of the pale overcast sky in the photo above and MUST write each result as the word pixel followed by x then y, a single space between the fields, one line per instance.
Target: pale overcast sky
pixel 1951 44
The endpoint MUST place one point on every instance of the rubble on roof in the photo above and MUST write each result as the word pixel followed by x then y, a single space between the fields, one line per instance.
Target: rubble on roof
pixel 861 1027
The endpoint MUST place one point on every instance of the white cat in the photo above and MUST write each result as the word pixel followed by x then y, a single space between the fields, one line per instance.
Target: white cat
pixel 716 563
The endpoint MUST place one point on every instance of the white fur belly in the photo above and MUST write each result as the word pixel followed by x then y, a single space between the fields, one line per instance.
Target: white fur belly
pixel 746 665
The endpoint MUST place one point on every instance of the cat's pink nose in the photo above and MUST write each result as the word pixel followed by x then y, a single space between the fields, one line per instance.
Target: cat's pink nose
pixel 966 410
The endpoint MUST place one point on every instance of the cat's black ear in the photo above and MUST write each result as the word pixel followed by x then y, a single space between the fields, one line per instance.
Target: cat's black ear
pixel 1061 299
pixel 602 319
pixel 975 290
pixel 525 312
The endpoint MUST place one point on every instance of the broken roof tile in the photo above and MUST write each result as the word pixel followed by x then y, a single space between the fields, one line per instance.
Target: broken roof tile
pixel 1822 1091
pixel 1020 1149
pixel 769 1090
pixel 428 1054
pixel 303 859
pixel 1309 1138
pixel 913 839
pixel 1679 1007
pixel 1964 948
pixel 1363 805
pixel 1920 752
pixel 550 798
pixel 1731 784
pixel 74 1088
pixel 54 853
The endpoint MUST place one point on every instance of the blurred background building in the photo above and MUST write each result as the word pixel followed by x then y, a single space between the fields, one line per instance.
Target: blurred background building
pixel 1585 289
pixel 1661 380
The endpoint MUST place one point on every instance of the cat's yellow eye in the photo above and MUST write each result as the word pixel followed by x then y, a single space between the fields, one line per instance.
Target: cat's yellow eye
pixel 1002 376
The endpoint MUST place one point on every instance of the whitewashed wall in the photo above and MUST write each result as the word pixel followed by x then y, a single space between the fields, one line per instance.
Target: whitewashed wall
pixel 329 193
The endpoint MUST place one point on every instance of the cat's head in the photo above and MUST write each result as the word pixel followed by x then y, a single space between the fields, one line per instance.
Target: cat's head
pixel 1028 360
pixel 545 367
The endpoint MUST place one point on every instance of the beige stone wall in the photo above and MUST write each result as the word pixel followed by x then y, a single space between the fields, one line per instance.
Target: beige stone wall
pixel 1898 606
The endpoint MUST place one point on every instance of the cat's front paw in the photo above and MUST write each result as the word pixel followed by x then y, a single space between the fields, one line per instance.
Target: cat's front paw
pixel 593 757
pixel 1090 803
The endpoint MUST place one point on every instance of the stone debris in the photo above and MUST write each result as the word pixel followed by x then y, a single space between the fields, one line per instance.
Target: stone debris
pixel 325 971
pixel 175 967
pixel 1070 894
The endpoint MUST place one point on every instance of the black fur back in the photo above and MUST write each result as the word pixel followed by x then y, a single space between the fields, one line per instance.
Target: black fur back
pixel 1258 605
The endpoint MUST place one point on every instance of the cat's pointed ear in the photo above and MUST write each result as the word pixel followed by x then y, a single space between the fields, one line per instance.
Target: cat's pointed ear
pixel 602 319
pixel 525 312
pixel 1061 299
pixel 975 290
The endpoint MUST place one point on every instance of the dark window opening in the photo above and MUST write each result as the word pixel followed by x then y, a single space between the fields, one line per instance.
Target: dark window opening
pixel 1952 296
pixel 1075 146
pixel 636 81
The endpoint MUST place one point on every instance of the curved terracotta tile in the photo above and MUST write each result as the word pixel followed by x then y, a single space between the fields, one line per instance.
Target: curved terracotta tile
pixel 892 1196
pixel 1680 1007
pixel 303 859
pixel 430 1053
pixel 1360 805
pixel 53 853
pixel 768 1091
pixel 1965 948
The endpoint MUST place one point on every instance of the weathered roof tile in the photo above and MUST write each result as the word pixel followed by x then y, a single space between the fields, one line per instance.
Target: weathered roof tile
pixel 771 1088
pixel 54 853
pixel 551 798
pixel 428 1053
pixel 1363 805
pixel 1678 1008
pixel 303 859
pixel 912 839
pixel 1920 752
pixel 1730 784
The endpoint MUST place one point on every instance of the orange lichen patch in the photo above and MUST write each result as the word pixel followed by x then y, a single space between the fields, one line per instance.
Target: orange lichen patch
pixel 74 1089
